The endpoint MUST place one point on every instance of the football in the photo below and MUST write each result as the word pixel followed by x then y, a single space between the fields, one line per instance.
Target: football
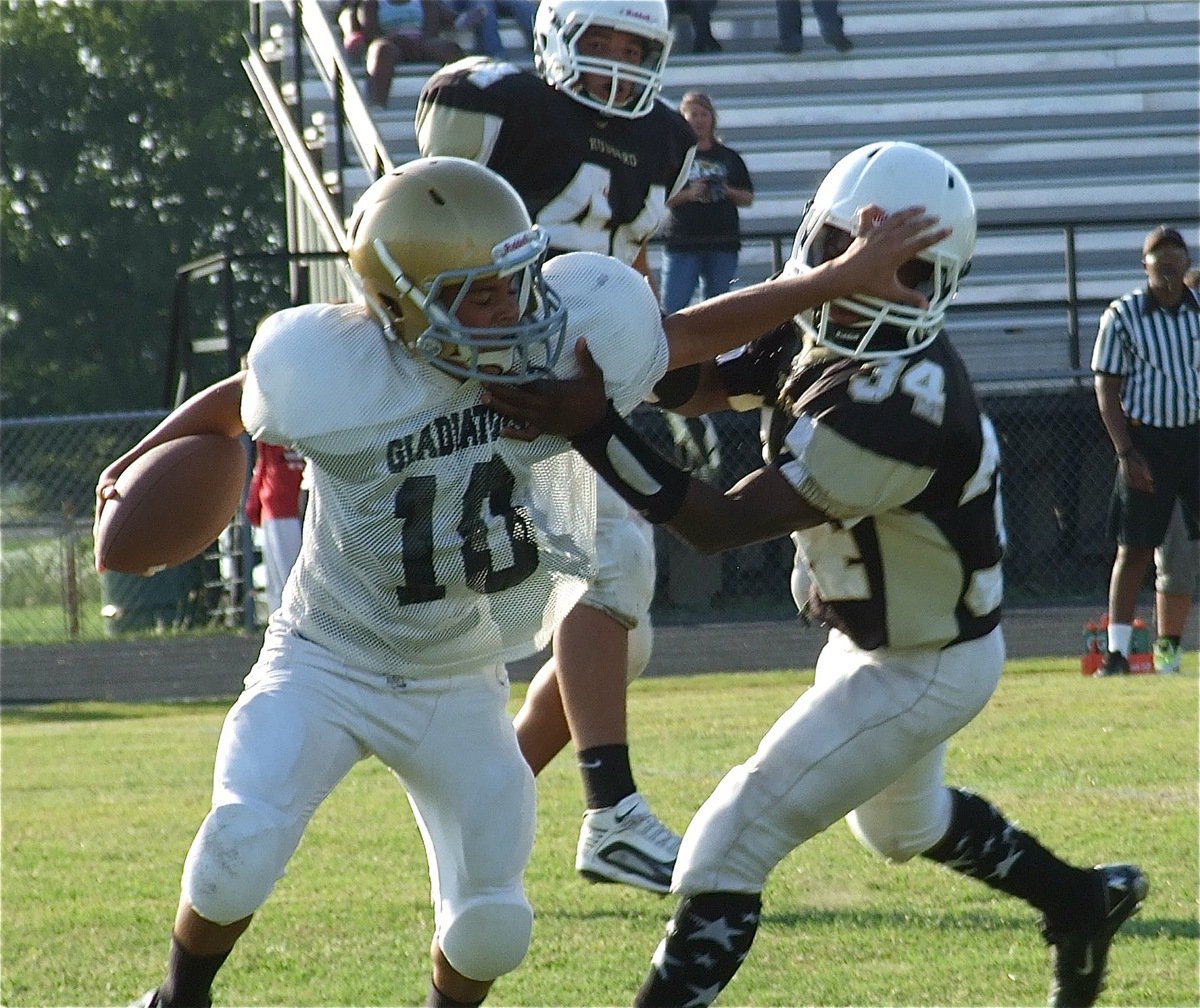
pixel 171 504
pixel 615 308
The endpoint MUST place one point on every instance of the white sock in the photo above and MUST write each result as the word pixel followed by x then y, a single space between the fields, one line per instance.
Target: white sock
pixel 1119 635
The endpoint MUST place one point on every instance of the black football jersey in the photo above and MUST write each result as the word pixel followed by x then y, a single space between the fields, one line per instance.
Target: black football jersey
pixel 753 376
pixel 897 452
pixel 597 183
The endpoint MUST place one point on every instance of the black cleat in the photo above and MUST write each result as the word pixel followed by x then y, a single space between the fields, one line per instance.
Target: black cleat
pixel 1115 664
pixel 1081 947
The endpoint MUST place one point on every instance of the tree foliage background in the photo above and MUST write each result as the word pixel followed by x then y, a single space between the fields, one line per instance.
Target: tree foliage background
pixel 131 143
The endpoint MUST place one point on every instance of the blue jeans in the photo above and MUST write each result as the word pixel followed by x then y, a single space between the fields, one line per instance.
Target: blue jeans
pixel 487 33
pixel 682 271
pixel 789 18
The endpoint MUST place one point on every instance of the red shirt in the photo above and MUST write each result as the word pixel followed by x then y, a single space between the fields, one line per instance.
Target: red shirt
pixel 275 485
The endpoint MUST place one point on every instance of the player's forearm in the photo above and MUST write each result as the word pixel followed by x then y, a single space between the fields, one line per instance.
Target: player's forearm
pixel 761 507
pixel 710 395
pixel 702 331
pixel 215 410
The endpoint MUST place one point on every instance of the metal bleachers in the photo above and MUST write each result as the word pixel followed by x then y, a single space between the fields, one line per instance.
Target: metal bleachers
pixel 1076 123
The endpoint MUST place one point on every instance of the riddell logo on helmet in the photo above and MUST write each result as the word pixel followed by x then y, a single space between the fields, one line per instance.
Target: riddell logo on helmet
pixel 636 15
pixel 513 243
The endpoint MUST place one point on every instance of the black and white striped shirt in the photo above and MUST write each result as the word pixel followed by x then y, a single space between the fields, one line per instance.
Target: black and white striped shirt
pixel 1157 351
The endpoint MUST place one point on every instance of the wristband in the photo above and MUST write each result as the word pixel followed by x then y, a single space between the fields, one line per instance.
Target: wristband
pixel 677 387
pixel 644 479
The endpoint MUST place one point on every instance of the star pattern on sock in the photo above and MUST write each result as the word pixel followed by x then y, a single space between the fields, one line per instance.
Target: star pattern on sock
pixel 662 962
pixel 717 931
pixel 707 940
pixel 1005 864
pixel 704 996
pixel 1002 854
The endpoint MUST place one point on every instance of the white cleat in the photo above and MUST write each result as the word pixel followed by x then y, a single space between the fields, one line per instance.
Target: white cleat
pixel 627 844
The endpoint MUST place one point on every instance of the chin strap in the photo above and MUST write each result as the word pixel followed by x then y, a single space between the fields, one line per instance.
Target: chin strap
pixel 643 478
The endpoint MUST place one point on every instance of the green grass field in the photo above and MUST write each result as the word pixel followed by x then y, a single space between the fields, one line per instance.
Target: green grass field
pixel 100 802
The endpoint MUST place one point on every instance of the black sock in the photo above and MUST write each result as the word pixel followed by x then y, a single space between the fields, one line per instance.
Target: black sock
pixel 982 844
pixel 189 978
pixel 436 999
pixel 707 940
pixel 607 775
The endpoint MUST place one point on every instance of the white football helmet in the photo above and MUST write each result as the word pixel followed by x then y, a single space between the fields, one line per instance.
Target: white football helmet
pixel 892 176
pixel 560 24
pixel 442 223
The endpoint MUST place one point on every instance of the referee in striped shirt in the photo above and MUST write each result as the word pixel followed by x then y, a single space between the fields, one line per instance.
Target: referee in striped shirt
pixel 1147 375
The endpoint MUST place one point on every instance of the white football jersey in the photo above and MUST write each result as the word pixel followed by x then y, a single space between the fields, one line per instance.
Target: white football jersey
pixel 431 545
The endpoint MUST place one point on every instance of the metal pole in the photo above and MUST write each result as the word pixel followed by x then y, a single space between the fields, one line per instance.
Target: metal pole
pixel 232 363
pixel 1072 299
pixel 70 573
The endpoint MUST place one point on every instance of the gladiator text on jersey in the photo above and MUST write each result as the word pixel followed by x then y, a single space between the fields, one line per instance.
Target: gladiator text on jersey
pixel 445 435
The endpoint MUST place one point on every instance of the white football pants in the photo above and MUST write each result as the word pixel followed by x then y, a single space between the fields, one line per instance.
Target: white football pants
pixel 298 729
pixel 868 739
pixel 281 540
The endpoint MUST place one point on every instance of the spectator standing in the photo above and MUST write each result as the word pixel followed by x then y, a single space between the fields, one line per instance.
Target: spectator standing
pixel 703 232
pixel 791 32
pixel 699 13
pixel 483 18
pixel 1146 362
pixel 273 507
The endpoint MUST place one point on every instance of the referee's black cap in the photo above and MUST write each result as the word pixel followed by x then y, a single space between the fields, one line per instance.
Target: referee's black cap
pixel 1162 235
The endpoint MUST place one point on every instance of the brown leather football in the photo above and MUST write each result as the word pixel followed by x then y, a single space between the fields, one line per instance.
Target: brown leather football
pixel 171 504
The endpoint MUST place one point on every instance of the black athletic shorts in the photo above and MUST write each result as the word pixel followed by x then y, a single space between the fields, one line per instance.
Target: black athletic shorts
pixel 1173 454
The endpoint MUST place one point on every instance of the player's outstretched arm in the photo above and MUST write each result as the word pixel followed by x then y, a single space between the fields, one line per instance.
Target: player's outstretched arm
pixel 215 410
pixel 762 506
pixel 702 331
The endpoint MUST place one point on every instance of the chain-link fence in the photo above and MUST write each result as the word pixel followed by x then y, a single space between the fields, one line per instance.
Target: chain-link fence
pixel 49 588
pixel 1057 473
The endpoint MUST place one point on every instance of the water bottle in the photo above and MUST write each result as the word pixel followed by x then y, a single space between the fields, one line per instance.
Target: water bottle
pixel 1140 658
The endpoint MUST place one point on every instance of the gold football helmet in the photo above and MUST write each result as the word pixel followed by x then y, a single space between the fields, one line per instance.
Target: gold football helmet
pixel 421 235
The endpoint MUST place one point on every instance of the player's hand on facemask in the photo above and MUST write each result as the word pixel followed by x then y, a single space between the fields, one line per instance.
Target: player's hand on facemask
pixel 885 242
pixel 564 406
